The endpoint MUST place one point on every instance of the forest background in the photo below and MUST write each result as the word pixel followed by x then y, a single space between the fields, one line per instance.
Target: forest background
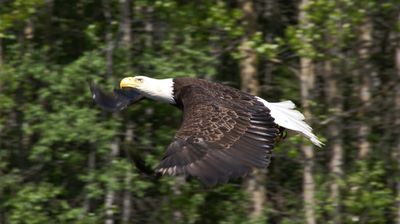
pixel 63 160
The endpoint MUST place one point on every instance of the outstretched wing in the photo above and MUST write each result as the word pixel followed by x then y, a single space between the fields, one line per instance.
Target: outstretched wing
pixel 220 138
pixel 116 101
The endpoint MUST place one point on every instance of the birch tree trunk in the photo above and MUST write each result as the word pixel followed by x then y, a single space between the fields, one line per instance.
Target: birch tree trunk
pixel 29 33
pixel 126 24
pixel 127 38
pixel 2 211
pixel 1 53
pixel 254 183
pixel 127 196
pixel 334 138
pixel 110 195
pixel 114 145
pixel 397 124
pixel 108 38
pixel 363 72
pixel 49 13
pixel 248 63
pixel 19 116
pixel 270 13
pixel 91 167
pixel 1 44
pixel 307 76
pixel 177 214
pixel 307 80
pixel 397 153
pixel 149 26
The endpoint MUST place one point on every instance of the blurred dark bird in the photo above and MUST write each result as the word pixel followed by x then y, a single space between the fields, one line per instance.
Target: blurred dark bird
pixel 225 132
pixel 116 101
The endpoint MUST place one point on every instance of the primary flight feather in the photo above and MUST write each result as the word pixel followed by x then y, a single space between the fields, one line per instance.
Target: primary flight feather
pixel 225 132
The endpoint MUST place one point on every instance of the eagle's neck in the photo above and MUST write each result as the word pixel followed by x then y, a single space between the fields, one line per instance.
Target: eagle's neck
pixel 161 90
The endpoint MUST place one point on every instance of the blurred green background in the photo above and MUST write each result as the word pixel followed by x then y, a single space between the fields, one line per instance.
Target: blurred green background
pixel 63 160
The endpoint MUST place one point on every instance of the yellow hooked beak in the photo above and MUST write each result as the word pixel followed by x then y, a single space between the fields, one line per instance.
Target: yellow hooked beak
pixel 129 82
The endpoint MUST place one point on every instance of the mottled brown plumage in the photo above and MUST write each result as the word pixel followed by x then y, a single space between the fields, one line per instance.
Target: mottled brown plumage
pixel 223 135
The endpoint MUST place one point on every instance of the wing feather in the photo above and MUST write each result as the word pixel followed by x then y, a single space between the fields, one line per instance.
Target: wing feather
pixel 115 101
pixel 224 135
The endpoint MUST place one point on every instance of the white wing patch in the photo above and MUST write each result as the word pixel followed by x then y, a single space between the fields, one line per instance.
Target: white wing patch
pixel 286 116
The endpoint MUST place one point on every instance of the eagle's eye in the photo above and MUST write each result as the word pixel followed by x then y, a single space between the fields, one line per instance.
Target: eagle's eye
pixel 139 80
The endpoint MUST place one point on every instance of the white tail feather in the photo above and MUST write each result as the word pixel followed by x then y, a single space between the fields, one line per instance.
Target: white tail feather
pixel 286 116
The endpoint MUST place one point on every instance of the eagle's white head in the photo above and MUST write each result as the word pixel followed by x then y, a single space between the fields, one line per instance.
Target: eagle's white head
pixel 157 89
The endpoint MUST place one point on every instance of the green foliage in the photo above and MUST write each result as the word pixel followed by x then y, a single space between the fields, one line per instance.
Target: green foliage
pixel 16 12
pixel 328 25
pixel 56 159
pixel 367 198
pixel 40 204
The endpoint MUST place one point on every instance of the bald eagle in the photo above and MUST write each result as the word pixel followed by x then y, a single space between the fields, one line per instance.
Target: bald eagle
pixel 225 132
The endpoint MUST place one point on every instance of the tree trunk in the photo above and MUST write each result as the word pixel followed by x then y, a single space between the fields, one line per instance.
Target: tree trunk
pixel 254 183
pixel 364 70
pixel 307 76
pixel 270 13
pixel 110 194
pixel 334 138
pixel 24 139
pixel 48 26
pixel 307 80
pixel 127 196
pixel 29 34
pixel 1 44
pixel 91 167
pixel 127 42
pixel 29 30
pixel 248 63
pixel 126 23
pixel 108 38
pixel 308 184
pixel 1 53
pixel 148 26
pixel 397 153
pixel 397 125
pixel 2 211
pixel 177 215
